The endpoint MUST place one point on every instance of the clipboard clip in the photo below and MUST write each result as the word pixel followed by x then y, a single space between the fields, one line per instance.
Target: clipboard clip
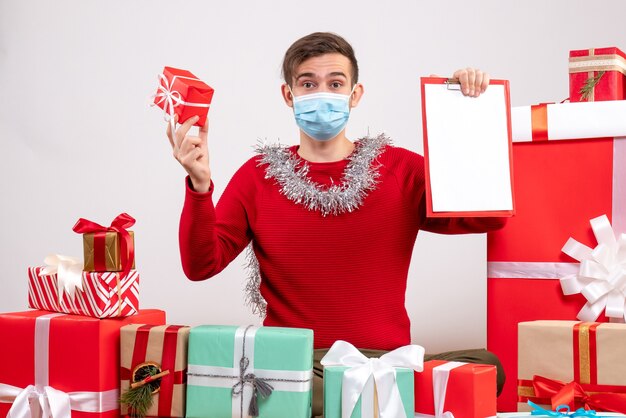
pixel 453 84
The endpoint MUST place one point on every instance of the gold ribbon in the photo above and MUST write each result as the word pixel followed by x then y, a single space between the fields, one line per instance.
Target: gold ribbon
pixel 591 63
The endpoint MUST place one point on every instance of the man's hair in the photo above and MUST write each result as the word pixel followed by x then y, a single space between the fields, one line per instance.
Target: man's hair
pixel 314 45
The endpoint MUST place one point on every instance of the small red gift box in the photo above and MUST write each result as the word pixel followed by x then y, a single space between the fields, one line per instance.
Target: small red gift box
pixel 182 93
pixel 597 74
pixel 560 185
pixel 164 349
pixel 464 389
pixel 103 295
pixel 67 362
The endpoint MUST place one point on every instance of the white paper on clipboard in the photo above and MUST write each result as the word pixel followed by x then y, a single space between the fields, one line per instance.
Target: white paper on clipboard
pixel 467 145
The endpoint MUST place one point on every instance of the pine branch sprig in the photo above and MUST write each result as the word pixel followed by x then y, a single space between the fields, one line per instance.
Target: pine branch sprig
pixel 590 84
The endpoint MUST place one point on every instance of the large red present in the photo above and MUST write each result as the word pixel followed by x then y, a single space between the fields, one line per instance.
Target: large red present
pixel 578 364
pixel 66 363
pixel 560 185
pixel 465 390
pixel 597 74
pixel 151 350
pixel 182 93
pixel 101 295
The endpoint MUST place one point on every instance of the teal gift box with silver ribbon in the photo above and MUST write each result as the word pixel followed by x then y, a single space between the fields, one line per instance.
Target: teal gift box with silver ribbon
pixel 249 371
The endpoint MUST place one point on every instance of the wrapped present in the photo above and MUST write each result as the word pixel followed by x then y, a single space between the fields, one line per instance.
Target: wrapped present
pixel 249 371
pixel 597 74
pixel 109 248
pixel 560 184
pixel 182 93
pixel 464 390
pixel 100 295
pixel 356 386
pixel 577 364
pixel 53 364
pixel 567 121
pixel 564 412
pixel 148 351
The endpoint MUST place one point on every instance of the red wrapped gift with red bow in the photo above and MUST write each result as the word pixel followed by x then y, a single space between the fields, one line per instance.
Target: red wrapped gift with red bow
pixel 182 93
pixel 597 74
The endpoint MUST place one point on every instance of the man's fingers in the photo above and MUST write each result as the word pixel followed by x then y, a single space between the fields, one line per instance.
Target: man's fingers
pixel 471 80
pixel 184 128
pixel 485 83
pixel 192 156
pixel 204 131
pixel 462 76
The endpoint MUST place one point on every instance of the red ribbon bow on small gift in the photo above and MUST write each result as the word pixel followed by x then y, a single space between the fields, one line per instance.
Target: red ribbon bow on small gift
pixel 119 225
pixel 575 396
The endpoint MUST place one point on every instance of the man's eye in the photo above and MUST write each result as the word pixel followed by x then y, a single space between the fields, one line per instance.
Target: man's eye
pixel 307 85
pixel 336 85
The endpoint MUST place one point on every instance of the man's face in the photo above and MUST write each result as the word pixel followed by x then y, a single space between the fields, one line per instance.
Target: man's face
pixel 325 73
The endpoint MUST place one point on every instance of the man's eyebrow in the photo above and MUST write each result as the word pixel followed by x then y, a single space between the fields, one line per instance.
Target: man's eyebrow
pixel 299 76
pixel 338 73
pixel 312 75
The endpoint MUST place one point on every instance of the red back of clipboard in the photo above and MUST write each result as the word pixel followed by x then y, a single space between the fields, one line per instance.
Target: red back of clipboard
pixel 429 202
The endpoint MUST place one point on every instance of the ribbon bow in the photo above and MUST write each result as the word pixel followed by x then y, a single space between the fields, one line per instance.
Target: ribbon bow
pixel 260 387
pixel 574 395
pixel 382 369
pixel 602 274
pixel 69 271
pixel 52 403
pixel 561 411
pixel 119 225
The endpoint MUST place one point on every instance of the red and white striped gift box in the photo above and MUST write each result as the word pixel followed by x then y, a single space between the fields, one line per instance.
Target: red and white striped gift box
pixel 103 294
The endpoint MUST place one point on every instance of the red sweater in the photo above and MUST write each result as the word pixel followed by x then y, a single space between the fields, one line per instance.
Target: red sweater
pixel 344 276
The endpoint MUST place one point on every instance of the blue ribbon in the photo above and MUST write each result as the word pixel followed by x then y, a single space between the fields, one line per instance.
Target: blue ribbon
pixel 561 411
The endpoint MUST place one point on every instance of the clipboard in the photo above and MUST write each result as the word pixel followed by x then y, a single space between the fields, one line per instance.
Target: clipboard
pixel 467 150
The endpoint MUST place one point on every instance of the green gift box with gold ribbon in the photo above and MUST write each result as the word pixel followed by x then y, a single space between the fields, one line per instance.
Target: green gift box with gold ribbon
pixel 249 371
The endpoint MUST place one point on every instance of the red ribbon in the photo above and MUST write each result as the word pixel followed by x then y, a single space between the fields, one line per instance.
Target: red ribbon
pixel 574 395
pixel 119 225
pixel 168 362
pixel 539 121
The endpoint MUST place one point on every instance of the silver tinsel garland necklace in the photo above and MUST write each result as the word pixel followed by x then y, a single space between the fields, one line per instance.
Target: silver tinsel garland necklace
pixel 291 174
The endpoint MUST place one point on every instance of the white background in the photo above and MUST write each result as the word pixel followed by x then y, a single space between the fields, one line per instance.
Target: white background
pixel 78 139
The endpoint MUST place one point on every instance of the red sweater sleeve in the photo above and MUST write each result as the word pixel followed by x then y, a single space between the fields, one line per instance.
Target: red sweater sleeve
pixel 411 179
pixel 210 237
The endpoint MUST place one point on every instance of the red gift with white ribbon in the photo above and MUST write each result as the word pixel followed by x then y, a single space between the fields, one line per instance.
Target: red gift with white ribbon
pixel 57 365
pixel 569 164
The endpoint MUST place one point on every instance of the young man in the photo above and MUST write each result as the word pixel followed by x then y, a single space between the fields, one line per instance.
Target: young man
pixel 332 222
